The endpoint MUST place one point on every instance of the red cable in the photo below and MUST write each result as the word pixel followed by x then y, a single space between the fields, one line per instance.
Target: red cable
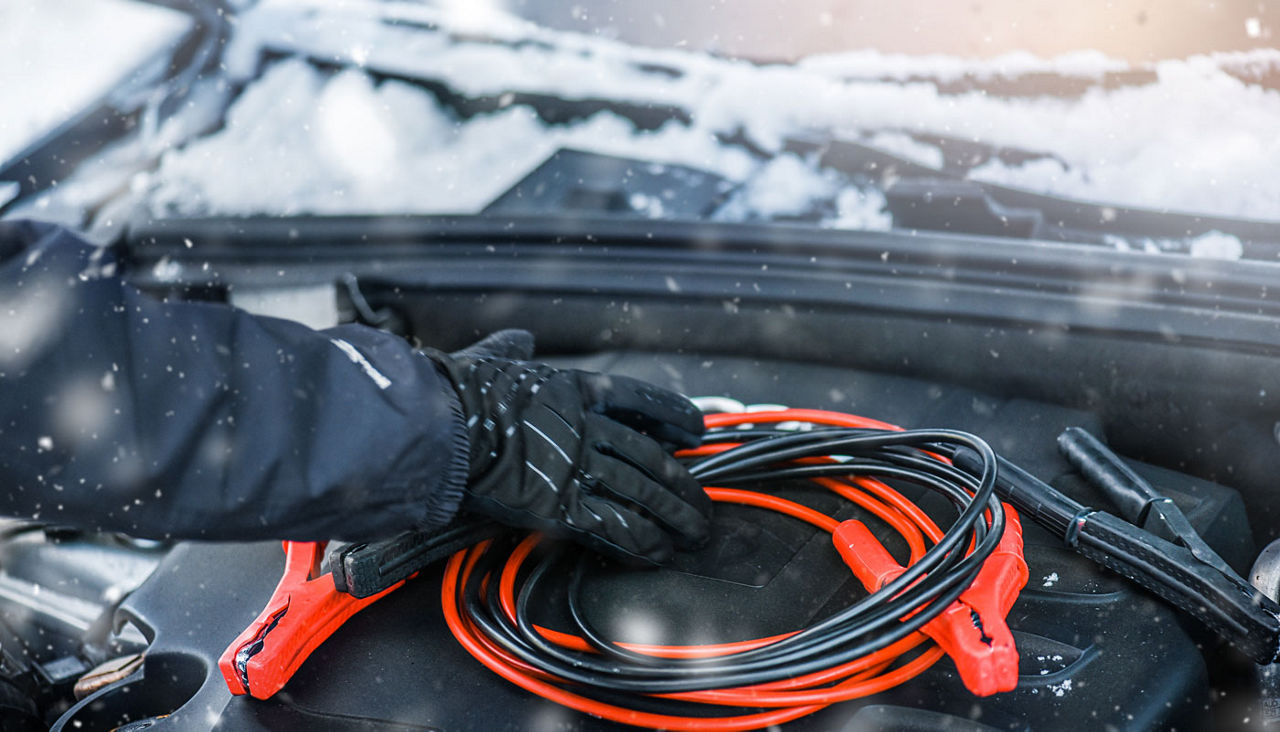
pixel 469 637
pixel 795 697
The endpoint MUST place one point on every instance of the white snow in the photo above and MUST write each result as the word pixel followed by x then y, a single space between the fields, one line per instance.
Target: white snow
pixel 860 208
pixel 876 65
pixel 1169 145
pixel 303 140
pixel 1216 245
pixel 343 145
pixel 578 67
pixel 1162 146
pixel 907 147
pixel 1062 688
pixel 299 141
pixel 60 56
pixel 785 186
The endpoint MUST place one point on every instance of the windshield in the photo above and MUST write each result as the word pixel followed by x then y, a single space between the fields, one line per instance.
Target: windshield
pixel 63 55
pixel 822 113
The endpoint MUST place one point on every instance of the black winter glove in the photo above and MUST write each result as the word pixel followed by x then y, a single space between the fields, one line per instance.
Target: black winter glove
pixel 562 451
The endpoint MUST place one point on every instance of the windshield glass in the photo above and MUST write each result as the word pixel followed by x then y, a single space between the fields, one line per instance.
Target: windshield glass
pixel 824 113
pixel 61 56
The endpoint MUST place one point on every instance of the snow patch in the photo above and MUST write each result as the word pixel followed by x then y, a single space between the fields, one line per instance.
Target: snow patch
pixel 1217 245
pixel 861 208
pixel 907 147
pixel 785 186
pixel 300 141
pixel 61 56
pixel 902 67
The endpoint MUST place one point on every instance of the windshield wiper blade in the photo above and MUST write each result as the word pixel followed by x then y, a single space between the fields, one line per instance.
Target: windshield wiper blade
pixel 932 198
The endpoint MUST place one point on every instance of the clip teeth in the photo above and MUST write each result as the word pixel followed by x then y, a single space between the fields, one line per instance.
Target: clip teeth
pixel 253 647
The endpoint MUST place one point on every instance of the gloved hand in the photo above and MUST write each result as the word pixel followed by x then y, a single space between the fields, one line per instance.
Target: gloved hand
pixel 566 451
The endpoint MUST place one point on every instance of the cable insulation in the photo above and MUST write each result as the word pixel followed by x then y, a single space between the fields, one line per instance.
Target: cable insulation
pixel 869 647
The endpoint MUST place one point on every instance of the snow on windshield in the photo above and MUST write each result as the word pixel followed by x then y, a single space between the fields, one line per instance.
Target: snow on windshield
pixel 302 140
pixel 60 56
pixel 305 138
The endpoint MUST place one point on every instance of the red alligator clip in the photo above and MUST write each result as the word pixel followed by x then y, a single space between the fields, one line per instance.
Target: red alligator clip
pixel 303 612
pixel 973 630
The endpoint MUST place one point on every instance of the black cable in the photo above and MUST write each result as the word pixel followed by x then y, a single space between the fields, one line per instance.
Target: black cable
pixel 888 613
pixel 766 456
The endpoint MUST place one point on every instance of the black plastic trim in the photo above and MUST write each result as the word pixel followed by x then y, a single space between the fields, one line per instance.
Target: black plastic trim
pixel 1165 298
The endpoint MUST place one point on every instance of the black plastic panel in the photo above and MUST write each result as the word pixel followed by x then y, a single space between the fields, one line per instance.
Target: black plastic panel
pixel 574 183
pixel 1094 651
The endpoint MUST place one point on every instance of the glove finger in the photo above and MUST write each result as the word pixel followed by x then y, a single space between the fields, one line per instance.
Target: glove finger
pixel 511 344
pixel 635 471
pixel 648 457
pixel 616 531
pixel 660 413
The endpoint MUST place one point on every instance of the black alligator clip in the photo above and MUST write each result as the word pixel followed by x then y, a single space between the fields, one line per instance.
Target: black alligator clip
pixel 1140 504
pixel 1181 569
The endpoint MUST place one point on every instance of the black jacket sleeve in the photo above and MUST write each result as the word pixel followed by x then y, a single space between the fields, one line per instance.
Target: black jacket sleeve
pixel 197 420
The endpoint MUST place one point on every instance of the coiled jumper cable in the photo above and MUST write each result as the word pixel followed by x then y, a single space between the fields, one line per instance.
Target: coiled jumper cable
pixel 878 642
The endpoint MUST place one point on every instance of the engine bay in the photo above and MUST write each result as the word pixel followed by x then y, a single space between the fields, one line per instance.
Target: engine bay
pixel 1090 644
pixel 939 334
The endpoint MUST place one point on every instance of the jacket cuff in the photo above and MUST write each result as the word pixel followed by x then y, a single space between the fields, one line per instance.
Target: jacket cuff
pixel 447 499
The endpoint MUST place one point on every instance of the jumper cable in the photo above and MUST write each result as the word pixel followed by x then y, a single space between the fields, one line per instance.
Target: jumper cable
pixel 306 608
